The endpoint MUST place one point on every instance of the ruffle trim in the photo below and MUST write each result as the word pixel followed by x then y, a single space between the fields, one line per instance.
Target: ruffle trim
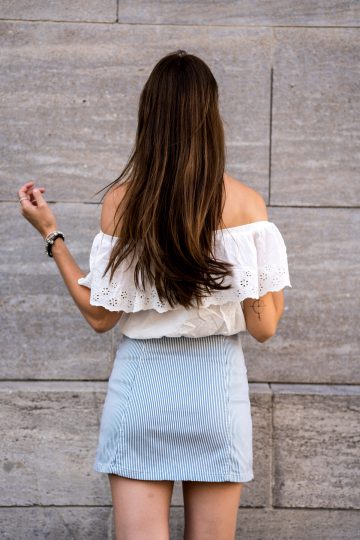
pixel 258 254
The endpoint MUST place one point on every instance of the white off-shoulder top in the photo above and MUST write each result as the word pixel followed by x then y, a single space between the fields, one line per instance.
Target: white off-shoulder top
pixel 258 252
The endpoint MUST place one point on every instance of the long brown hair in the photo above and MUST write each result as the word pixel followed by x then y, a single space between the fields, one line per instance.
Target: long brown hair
pixel 174 199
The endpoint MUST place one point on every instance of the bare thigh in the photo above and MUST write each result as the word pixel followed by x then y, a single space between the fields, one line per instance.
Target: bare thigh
pixel 211 510
pixel 141 508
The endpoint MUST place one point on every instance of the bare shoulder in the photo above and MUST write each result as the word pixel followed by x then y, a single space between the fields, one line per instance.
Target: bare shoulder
pixel 250 204
pixel 110 203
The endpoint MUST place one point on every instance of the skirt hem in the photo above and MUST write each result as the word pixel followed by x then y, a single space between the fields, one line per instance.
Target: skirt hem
pixel 199 477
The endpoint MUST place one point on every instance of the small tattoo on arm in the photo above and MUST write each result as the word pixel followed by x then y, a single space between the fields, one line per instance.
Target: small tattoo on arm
pixel 258 307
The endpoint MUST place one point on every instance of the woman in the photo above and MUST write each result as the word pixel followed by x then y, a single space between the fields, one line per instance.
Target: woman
pixel 185 259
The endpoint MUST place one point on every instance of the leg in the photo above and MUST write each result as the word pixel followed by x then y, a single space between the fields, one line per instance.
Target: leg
pixel 211 510
pixel 141 508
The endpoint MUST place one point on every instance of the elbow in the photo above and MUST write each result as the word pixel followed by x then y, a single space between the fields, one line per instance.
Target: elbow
pixel 105 321
pixel 102 330
pixel 98 326
pixel 99 330
pixel 102 326
pixel 265 335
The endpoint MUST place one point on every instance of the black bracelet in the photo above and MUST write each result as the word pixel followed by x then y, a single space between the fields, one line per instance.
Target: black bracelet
pixel 50 239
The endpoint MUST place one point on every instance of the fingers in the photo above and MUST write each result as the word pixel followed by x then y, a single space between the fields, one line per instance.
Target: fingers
pixel 25 187
pixel 27 190
pixel 32 197
pixel 38 196
pixel 28 187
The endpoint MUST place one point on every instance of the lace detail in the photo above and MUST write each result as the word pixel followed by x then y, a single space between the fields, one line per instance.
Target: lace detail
pixel 258 255
pixel 272 278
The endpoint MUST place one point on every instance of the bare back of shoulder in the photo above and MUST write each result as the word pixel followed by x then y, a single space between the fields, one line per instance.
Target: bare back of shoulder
pixel 110 203
pixel 243 204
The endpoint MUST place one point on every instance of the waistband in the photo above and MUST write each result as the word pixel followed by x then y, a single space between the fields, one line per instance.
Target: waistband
pixel 213 345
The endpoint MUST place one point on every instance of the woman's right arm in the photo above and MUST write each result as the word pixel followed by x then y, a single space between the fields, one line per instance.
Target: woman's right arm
pixel 262 315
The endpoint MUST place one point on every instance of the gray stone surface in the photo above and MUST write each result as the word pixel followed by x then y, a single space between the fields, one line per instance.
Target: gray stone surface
pixel 64 10
pixel 96 523
pixel 186 12
pixel 242 12
pixel 69 99
pixel 316 103
pixel 317 340
pixel 49 448
pixel 57 523
pixel 286 524
pixel 49 337
pixel 316 446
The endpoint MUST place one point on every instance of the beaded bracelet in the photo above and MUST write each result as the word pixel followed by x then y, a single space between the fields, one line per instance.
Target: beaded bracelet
pixel 50 239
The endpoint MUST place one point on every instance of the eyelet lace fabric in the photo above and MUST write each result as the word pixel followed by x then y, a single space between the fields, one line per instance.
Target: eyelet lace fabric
pixel 257 251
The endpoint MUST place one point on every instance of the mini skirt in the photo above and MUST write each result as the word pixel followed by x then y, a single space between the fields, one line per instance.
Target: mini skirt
pixel 177 408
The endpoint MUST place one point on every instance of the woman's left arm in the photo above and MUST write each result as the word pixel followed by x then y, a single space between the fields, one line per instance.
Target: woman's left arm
pixel 35 209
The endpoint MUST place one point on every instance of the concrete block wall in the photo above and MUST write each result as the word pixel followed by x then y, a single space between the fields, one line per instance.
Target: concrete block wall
pixel 288 73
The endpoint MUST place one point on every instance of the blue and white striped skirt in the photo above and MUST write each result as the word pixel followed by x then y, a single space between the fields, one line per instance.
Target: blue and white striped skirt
pixel 177 409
